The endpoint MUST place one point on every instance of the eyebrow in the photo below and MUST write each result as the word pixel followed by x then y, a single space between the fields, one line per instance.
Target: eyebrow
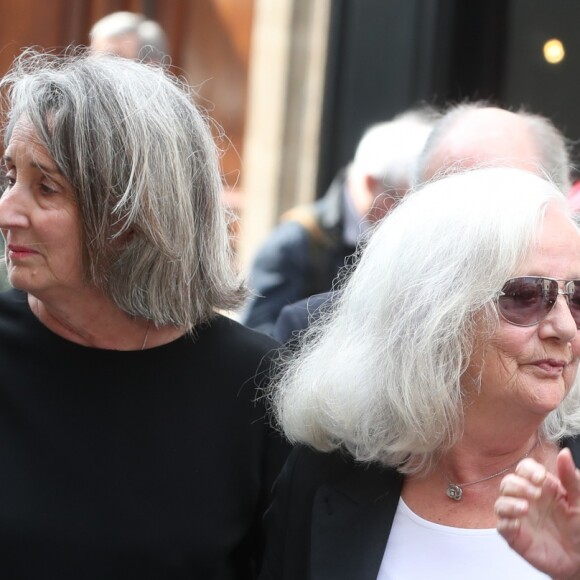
pixel 46 169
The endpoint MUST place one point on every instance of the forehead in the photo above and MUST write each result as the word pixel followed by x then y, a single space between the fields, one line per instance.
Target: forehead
pixel 24 139
pixel 556 252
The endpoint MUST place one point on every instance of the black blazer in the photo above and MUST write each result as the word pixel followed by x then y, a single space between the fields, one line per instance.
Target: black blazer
pixel 331 517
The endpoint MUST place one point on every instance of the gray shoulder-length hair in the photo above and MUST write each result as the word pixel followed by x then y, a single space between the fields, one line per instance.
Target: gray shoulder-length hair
pixel 143 164
pixel 381 375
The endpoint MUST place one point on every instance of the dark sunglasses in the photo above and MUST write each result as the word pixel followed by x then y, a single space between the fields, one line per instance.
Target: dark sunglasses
pixel 526 300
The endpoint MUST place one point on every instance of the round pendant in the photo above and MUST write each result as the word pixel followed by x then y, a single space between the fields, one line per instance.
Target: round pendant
pixel 454 492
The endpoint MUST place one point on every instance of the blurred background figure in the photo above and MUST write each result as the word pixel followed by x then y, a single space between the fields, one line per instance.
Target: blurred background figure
pixel 305 252
pixel 476 134
pixel 129 35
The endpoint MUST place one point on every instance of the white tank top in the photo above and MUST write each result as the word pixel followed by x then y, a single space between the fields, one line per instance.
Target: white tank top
pixel 419 549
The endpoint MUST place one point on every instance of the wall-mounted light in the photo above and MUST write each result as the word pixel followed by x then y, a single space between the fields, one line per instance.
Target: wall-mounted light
pixel 554 51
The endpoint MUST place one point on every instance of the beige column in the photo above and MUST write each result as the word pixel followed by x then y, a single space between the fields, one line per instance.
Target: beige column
pixel 285 92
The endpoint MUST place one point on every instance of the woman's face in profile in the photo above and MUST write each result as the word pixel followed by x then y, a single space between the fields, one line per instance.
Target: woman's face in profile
pixel 39 219
pixel 527 371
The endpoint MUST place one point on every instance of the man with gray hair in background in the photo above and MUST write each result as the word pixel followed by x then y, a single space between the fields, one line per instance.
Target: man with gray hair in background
pixel 304 253
pixel 129 35
pixel 476 134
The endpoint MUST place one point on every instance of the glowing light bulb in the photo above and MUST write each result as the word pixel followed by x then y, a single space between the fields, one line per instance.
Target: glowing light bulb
pixel 554 51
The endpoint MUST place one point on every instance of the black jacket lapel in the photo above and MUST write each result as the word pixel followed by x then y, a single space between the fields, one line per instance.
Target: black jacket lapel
pixel 351 521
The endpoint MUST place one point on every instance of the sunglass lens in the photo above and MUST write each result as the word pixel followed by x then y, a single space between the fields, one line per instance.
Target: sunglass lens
pixel 574 300
pixel 526 300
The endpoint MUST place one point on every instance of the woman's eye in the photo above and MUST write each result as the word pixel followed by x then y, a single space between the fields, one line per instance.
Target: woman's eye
pixel 47 189
pixel 8 180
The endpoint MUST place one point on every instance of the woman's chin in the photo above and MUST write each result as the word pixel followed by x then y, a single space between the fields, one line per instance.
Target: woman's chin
pixel 549 398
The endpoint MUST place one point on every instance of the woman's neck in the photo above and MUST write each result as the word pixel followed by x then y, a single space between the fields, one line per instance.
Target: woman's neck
pixel 477 467
pixel 479 457
pixel 94 320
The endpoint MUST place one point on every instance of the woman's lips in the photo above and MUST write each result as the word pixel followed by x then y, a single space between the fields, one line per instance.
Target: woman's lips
pixel 550 366
pixel 19 252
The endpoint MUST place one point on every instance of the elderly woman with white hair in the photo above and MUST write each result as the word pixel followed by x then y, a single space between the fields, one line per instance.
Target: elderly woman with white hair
pixel 131 444
pixel 438 403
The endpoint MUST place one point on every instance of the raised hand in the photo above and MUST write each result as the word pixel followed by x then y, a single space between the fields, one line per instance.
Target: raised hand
pixel 539 515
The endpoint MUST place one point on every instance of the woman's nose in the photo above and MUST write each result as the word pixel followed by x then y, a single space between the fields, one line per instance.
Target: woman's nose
pixel 13 212
pixel 560 322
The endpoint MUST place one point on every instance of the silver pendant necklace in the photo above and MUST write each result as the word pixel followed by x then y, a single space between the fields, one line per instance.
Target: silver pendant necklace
pixel 455 490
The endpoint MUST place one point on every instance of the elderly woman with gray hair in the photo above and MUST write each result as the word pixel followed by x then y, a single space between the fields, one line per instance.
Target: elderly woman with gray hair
pixel 438 404
pixel 130 441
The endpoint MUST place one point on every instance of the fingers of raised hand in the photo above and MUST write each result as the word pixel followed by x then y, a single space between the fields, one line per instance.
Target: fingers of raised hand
pixel 526 486
pixel 509 528
pixel 513 504
pixel 511 507
pixel 517 491
pixel 531 470
pixel 510 512
pixel 569 476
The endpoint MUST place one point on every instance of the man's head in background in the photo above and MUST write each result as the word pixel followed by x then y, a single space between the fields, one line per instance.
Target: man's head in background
pixel 129 35
pixel 385 160
pixel 475 134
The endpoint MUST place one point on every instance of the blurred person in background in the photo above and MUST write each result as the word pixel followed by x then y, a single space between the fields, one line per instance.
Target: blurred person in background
pixel 304 253
pixel 449 360
pixel 476 134
pixel 129 35
pixel 393 148
pixel 131 442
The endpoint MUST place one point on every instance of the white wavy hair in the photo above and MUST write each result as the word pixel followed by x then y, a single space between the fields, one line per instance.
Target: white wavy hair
pixel 381 375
